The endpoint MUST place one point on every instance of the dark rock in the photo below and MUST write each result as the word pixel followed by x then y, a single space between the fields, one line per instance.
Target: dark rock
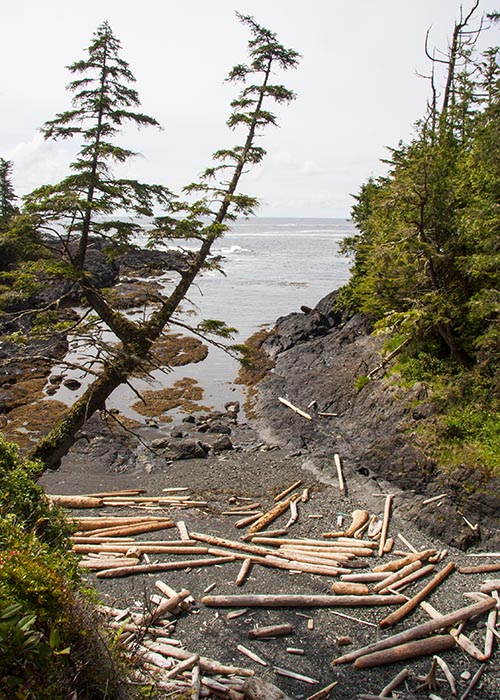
pixel 176 433
pixel 189 419
pixel 222 444
pixel 219 428
pixel 187 449
pixel 72 384
pixel 160 443
pixel 56 379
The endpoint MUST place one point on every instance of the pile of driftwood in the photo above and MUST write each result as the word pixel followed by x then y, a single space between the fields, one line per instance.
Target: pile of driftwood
pixel 368 572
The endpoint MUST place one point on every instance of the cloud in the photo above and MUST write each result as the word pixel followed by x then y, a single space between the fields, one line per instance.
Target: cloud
pixel 37 162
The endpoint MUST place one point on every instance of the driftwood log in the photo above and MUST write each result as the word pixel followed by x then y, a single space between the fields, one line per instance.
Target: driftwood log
pixel 411 604
pixel 299 601
pixel 256 689
pixel 410 650
pixel 271 515
pixel 75 501
pixel 165 566
pixel 270 631
pixel 422 630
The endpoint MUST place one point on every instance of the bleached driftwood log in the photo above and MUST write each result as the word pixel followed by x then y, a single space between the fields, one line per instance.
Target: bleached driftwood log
pixel 422 630
pixel 411 604
pixel 299 601
pixel 409 650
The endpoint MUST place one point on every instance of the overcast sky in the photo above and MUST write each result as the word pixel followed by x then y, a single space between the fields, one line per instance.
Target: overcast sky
pixel 357 87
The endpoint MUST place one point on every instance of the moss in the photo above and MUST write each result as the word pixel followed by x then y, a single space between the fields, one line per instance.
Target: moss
pixel 31 420
pixel 184 394
pixel 175 350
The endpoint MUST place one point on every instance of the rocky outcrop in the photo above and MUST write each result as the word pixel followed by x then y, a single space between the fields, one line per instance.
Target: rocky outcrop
pixel 322 362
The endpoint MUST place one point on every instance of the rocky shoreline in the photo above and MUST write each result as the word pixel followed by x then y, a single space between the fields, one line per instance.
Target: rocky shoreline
pixel 219 456
pixel 318 360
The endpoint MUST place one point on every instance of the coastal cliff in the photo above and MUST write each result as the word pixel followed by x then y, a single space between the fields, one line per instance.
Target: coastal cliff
pixel 321 364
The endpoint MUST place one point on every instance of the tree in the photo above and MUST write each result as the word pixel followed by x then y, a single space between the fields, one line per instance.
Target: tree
pixel 414 257
pixel 66 215
pixel 7 195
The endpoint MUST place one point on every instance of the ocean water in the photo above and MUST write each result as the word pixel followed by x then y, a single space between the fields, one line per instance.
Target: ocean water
pixel 272 266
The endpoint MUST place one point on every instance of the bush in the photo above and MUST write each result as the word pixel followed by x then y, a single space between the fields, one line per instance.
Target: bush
pixel 50 644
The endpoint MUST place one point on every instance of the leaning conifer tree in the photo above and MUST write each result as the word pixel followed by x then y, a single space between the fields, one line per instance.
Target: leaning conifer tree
pixel 73 209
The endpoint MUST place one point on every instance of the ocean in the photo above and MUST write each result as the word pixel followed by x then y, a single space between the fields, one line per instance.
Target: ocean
pixel 271 266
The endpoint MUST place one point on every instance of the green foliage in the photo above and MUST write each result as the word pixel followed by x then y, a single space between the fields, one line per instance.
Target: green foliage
pixel 50 646
pixel 361 381
pixel 7 196
pixel 426 258
pixel 215 327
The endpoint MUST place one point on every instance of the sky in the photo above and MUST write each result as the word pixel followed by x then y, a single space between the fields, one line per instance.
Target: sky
pixel 358 88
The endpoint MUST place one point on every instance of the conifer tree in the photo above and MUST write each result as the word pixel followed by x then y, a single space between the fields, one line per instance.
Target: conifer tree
pixel 7 194
pixel 102 103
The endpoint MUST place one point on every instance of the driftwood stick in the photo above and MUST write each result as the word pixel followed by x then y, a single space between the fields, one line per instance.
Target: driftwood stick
pixel 195 683
pixel 366 577
pixel 299 411
pixel 257 689
pixel 419 573
pixel 243 572
pixel 294 513
pixel 103 564
pixel 270 631
pixel 346 588
pixel 296 676
pixel 142 548
pixel 323 693
pixel 397 575
pixel 461 639
pixel 395 683
pixel 322 553
pixel 333 545
pixel 136 528
pixel 475 680
pixel 206 665
pixel 490 585
pixel 86 524
pixel 166 566
pixel 278 563
pixel 410 650
pixel 340 475
pixel 406 543
pixel 298 601
pixel 166 605
pixel 359 519
pixel 490 628
pixel 248 520
pixel 423 630
pixel 183 533
pixel 271 515
pixel 251 655
pixel 170 592
pixel 447 673
pixel 354 619
pixel 185 665
pixel 123 492
pixel 421 595
pixel 250 537
pixel 397 564
pixel 480 569
pixel 385 523
pixel 287 491
pixel 75 501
